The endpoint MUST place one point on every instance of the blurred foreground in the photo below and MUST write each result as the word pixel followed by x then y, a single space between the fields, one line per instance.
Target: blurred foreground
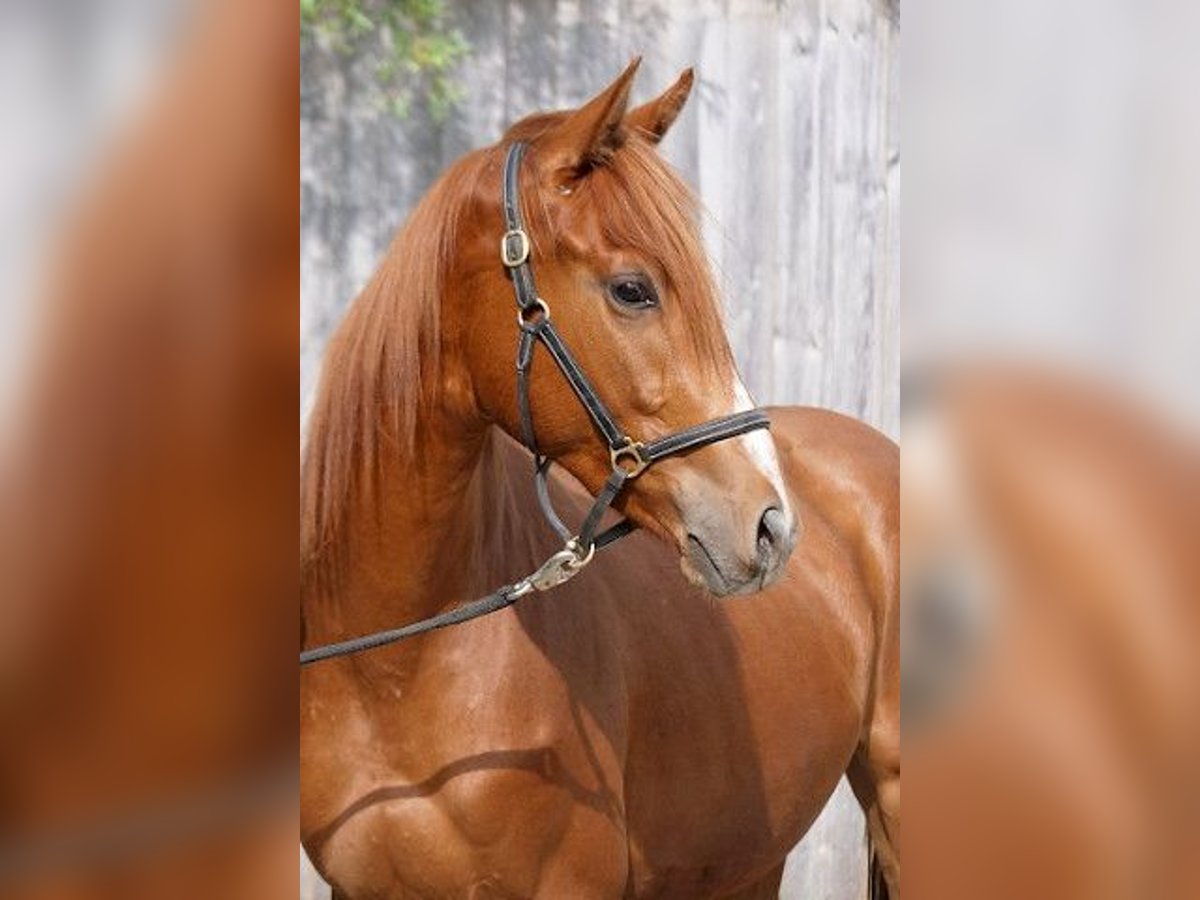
pixel 147 666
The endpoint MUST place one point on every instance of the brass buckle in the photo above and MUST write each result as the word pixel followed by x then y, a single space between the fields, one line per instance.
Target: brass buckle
pixel 631 450
pixel 522 247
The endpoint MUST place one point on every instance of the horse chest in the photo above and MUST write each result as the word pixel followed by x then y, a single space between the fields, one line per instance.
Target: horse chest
pixel 465 792
pixel 679 755
pixel 742 733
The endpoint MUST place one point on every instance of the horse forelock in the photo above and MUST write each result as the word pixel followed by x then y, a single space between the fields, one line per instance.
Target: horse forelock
pixel 641 204
pixel 637 202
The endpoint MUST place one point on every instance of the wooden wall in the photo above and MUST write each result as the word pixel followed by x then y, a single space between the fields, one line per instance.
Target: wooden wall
pixel 791 140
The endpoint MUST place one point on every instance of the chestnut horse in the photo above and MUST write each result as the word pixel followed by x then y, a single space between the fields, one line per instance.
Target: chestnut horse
pixel 626 735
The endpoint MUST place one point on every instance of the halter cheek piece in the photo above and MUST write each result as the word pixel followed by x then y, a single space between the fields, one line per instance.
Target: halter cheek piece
pixel 629 457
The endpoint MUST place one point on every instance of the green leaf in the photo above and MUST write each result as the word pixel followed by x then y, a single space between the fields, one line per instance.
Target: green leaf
pixel 414 48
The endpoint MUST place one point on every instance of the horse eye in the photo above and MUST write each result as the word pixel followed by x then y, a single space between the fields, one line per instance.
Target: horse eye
pixel 633 293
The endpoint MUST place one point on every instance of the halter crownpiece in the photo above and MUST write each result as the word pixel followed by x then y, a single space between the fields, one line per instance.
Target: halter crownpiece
pixel 629 457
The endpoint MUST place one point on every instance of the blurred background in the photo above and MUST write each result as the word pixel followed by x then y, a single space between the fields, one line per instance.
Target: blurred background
pixel 72 76
pixel 148 292
pixel 1051 470
pixel 790 140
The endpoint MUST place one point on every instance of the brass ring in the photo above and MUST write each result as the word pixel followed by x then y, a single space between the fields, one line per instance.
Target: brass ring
pixel 631 450
pixel 538 305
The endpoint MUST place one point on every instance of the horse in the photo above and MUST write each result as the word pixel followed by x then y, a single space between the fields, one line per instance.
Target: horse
pixel 671 721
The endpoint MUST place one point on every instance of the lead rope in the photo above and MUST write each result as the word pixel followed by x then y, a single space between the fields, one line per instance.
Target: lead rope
pixel 629 458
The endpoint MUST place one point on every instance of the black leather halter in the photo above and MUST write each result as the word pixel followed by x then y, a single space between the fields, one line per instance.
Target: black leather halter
pixel 629 457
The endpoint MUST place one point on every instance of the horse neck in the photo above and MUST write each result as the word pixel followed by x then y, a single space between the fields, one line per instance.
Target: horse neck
pixel 410 544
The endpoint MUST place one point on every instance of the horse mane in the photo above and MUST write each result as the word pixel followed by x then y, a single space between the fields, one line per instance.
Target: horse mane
pixel 382 363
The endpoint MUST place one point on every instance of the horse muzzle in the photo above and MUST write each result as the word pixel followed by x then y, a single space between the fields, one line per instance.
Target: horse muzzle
pixel 728 556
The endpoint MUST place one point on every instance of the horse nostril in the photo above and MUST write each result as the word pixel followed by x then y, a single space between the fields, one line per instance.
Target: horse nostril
pixel 772 533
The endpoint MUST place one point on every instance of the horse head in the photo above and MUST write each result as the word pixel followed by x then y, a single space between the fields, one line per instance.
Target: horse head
pixel 615 244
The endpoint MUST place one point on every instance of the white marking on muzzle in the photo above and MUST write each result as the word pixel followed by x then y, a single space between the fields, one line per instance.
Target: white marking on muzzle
pixel 760 446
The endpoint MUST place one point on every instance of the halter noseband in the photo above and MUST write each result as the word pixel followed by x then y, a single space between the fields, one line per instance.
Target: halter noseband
pixel 629 457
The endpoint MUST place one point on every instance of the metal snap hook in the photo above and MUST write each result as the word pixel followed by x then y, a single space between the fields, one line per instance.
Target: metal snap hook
pixel 561 567
pixel 558 569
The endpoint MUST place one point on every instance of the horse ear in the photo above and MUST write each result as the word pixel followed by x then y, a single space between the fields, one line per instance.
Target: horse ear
pixel 654 118
pixel 587 136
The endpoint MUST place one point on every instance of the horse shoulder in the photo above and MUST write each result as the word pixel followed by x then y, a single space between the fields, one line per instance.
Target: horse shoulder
pixel 849 474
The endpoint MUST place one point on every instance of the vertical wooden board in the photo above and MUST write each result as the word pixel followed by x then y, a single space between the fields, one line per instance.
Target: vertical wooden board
pixel 480 118
pixel 800 324
pixel 782 113
pixel 852 222
pixel 312 887
pixel 756 209
pixel 644 31
pixel 713 152
pixel 821 245
pixel 680 49
pixel 591 58
pixel 889 257
pixel 839 212
pixel 877 53
pixel 531 76
pixel 831 862
pixel 569 27
pixel 740 159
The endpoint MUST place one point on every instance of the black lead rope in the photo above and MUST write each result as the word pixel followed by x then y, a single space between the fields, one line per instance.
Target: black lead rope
pixel 497 600
pixel 629 458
